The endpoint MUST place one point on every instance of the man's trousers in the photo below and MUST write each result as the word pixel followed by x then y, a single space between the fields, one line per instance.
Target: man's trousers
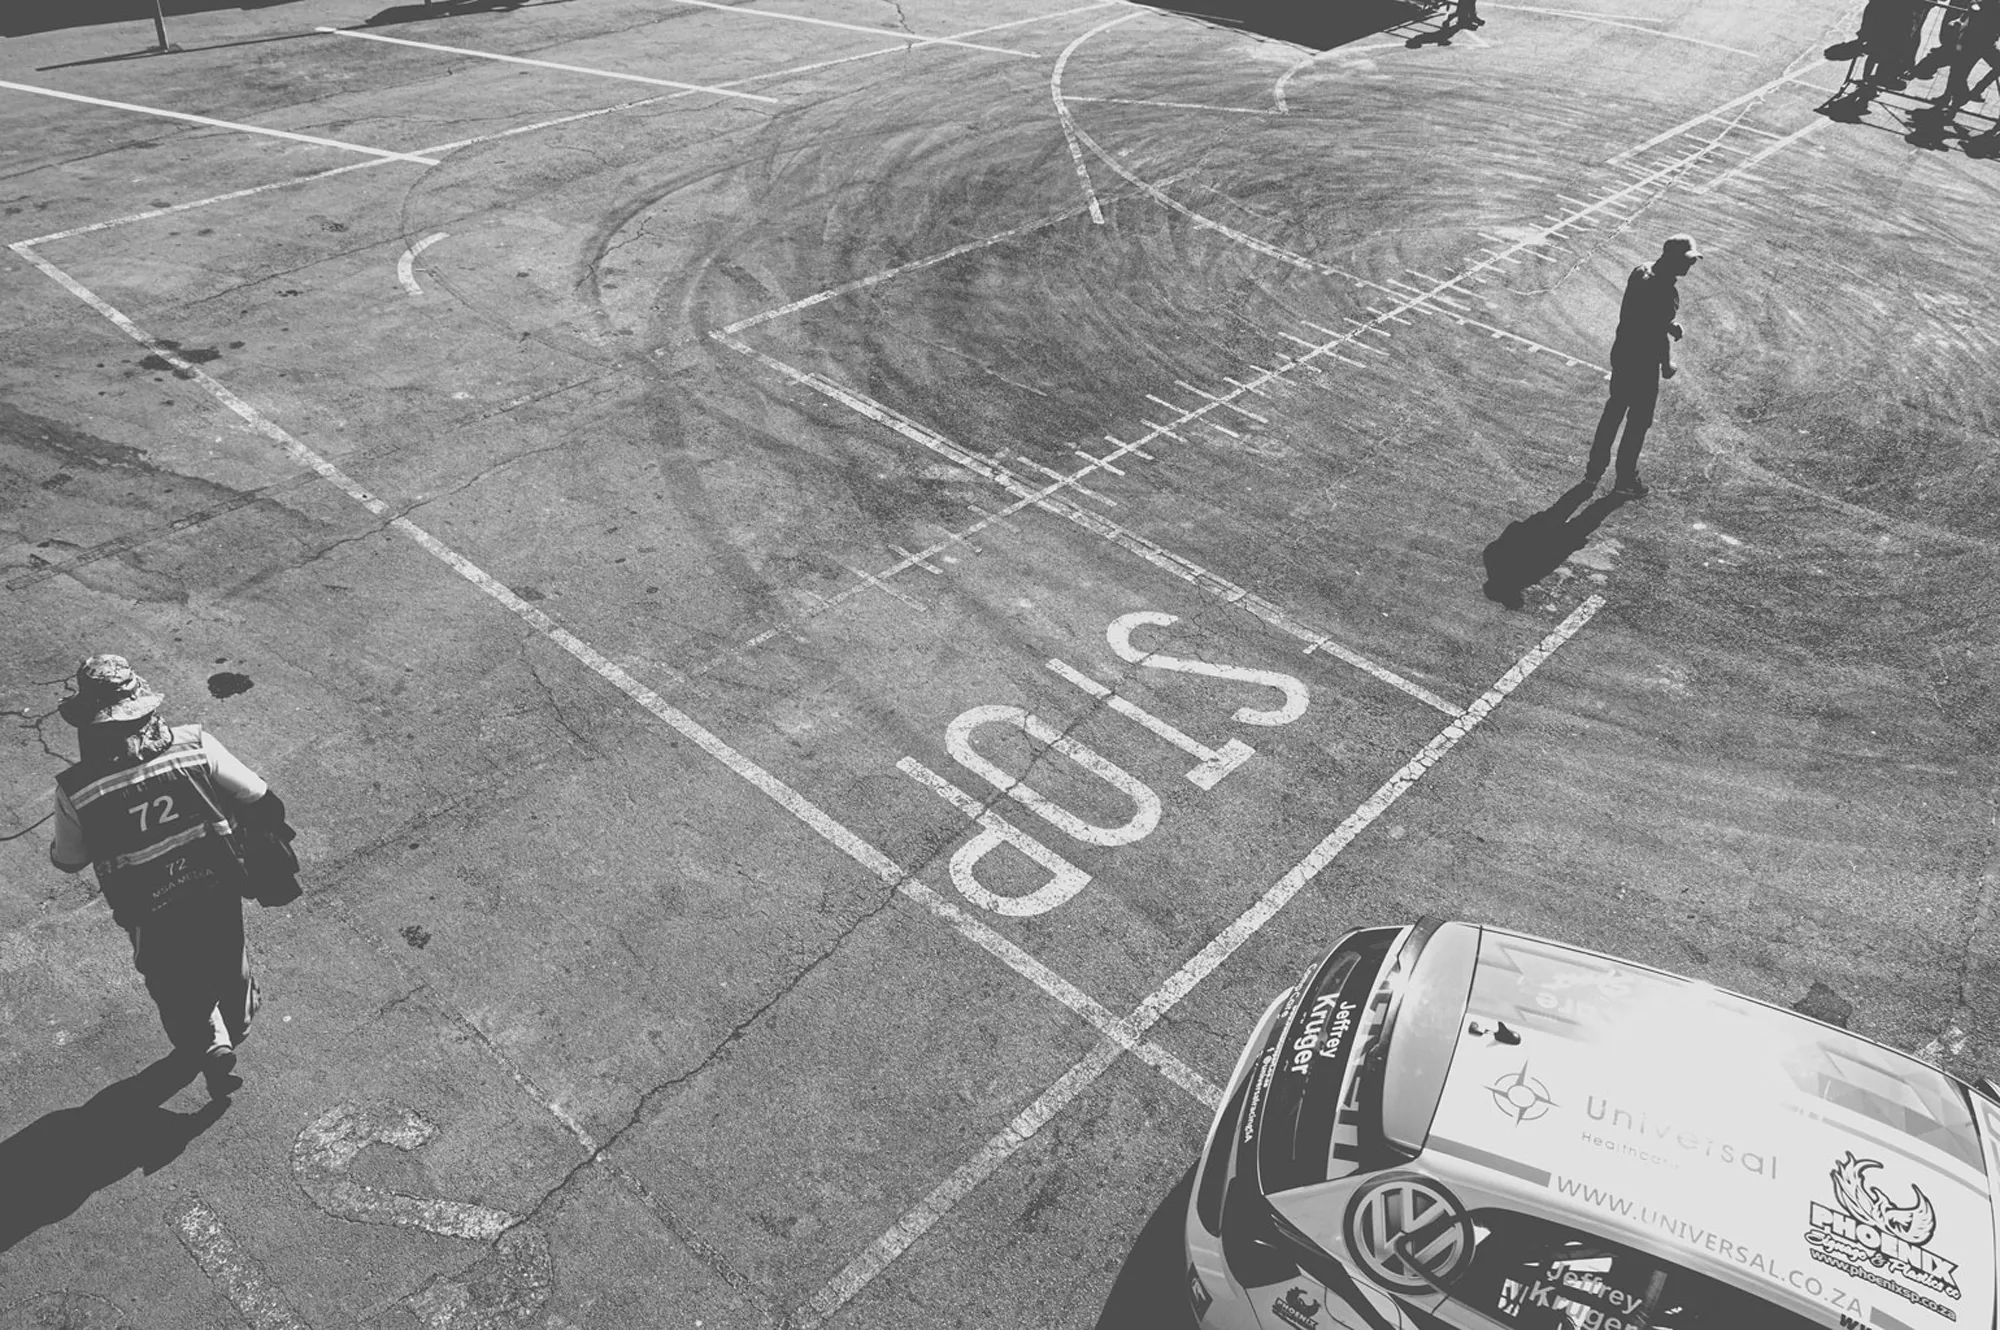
pixel 195 962
pixel 1635 392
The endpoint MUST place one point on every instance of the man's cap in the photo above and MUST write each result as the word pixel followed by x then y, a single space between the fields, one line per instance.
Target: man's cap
pixel 108 693
pixel 1680 245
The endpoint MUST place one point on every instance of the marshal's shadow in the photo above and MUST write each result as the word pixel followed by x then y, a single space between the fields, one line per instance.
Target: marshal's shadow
pixel 54 1164
pixel 1318 26
pixel 1533 547
pixel 1151 1291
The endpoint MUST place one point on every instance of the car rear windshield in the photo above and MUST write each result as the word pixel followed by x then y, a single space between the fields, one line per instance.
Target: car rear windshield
pixel 1537 1275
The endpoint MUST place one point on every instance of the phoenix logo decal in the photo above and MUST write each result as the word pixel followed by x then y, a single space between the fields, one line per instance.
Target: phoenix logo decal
pixel 1914 1223
pixel 1872 1237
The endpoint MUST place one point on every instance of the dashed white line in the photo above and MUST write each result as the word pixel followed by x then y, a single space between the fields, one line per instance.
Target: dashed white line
pixel 383 153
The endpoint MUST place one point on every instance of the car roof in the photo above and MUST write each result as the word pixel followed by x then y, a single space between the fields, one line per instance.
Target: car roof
pixel 1744 1140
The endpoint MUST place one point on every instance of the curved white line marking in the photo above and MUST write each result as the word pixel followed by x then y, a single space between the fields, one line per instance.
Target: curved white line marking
pixel 404 272
pixel 1278 89
pixel 1062 112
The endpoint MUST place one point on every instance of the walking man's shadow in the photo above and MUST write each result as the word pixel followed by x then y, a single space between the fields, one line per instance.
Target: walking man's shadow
pixel 52 1165
pixel 1533 547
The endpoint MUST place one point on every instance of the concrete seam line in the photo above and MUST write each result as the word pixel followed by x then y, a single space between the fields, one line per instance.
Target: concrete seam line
pixel 827 827
pixel 933 1207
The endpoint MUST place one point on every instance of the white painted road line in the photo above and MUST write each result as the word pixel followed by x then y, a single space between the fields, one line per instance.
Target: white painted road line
pixel 1715 113
pixel 241 1279
pixel 749 12
pixel 1069 125
pixel 211 200
pixel 405 266
pixel 1609 22
pixel 313 139
pixel 923 1216
pixel 892 1244
pixel 441 148
pixel 549 64
pixel 1204 963
pixel 435 150
pixel 822 823
pixel 1178 106
pixel 876 279
pixel 1743 166
pixel 1045 498
pixel 1278 88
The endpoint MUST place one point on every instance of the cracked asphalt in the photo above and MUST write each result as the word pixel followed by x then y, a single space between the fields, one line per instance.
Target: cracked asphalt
pixel 730 463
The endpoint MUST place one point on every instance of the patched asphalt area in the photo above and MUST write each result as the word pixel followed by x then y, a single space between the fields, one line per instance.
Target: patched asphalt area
pixel 676 554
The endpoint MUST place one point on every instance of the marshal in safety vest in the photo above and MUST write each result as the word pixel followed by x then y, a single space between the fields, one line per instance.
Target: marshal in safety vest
pixel 158 832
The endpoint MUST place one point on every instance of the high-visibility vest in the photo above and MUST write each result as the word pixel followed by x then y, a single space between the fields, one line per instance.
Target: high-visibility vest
pixel 157 832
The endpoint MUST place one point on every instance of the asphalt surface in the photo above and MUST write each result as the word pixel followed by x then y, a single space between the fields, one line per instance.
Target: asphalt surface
pixel 641 527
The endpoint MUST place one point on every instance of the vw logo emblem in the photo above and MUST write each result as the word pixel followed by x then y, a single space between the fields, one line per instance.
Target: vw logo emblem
pixel 1406 1205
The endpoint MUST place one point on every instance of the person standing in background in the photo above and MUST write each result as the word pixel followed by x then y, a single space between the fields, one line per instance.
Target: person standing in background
pixel 1642 353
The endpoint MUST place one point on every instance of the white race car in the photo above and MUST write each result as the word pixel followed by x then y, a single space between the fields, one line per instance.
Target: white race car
pixel 1451 1127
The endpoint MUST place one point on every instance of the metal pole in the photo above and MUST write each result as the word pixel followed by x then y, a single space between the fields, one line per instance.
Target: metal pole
pixel 160 25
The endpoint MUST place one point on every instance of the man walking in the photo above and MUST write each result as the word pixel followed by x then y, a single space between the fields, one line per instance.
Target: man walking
pixel 1642 353
pixel 156 812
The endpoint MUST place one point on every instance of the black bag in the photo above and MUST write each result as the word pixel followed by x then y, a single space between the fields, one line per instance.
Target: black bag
pixel 270 865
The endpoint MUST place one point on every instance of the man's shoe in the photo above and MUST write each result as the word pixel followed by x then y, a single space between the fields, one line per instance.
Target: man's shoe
pixel 1631 487
pixel 218 1068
